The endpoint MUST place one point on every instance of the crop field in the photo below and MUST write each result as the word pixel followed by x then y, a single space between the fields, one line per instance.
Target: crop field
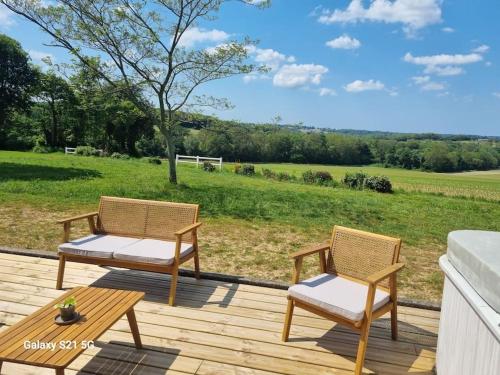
pixel 251 224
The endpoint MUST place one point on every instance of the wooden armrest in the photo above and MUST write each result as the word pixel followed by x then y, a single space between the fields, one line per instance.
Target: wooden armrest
pixel 79 217
pixel 189 228
pixel 383 274
pixel 310 250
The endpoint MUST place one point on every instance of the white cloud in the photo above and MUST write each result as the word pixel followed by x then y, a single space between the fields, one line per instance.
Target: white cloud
pixel 6 17
pixel 359 86
pixel 324 91
pixel 426 84
pixel 196 35
pixel 448 70
pixel 448 30
pixel 297 75
pixel 481 49
pixel 38 56
pixel 254 76
pixel 413 14
pixel 443 64
pixel 443 59
pixel 270 58
pixel 496 94
pixel 344 42
pixel 433 86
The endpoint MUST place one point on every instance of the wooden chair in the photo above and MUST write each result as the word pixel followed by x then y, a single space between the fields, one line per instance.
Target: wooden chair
pixel 136 234
pixel 357 284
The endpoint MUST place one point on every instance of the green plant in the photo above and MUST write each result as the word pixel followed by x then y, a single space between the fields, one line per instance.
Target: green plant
pixel 355 180
pixel 382 184
pixel 247 170
pixel 41 149
pixel 308 177
pixel 322 177
pixel 154 160
pixel 68 302
pixel 87 151
pixel 267 173
pixel 283 176
pixel 208 167
pixel 237 168
pixel 117 155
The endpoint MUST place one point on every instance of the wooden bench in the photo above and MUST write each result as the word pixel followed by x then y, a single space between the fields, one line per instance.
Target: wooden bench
pixel 136 234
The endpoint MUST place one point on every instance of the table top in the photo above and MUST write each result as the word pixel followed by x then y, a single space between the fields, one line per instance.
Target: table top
pixel 37 340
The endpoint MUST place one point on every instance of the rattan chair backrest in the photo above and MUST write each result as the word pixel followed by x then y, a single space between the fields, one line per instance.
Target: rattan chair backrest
pixel 359 254
pixel 144 218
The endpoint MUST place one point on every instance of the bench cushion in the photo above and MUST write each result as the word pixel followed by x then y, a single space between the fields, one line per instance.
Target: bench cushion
pixel 337 295
pixel 151 251
pixel 96 245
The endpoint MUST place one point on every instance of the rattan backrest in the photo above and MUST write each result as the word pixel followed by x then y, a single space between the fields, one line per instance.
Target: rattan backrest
pixel 144 218
pixel 359 254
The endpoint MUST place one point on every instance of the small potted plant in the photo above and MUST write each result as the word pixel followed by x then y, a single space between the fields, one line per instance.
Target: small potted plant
pixel 67 309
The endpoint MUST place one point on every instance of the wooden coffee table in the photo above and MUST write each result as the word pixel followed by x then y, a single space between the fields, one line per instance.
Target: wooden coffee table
pixel 100 308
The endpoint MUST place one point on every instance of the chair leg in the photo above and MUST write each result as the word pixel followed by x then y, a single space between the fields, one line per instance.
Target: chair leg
pixel 394 322
pixel 363 343
pixel 196 265
pixel 60 272
pixel 173 286
pixel 288 320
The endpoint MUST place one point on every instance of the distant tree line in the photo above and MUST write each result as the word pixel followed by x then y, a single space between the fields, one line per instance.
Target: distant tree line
pixel 46 111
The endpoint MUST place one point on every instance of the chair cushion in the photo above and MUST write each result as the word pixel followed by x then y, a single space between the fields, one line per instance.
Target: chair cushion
pixel 151 251
pixel 96 245
pixel 337 295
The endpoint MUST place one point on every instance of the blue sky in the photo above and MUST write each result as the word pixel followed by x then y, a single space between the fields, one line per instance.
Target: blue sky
pixel 394 65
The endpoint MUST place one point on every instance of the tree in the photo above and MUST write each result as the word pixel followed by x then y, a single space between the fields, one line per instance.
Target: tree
pixel 17 77
pixel 60 101
pixel 143 41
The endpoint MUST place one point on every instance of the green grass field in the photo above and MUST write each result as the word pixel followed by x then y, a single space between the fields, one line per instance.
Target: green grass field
pixel 252 224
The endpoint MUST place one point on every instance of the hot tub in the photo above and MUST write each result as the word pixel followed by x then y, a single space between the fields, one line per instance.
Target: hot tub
pixel 469 327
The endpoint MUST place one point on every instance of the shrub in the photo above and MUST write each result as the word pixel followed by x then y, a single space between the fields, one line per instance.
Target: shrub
pixel 246 170
pixel 154 160
pixel 41 149
pixel 117 155
pixel 283 176
pixel 355 180
pixel 322 177
pixel 267 173
pixel 308 177
pixel 382 184
pixel 87 151
pixel 208 167
pixel 237 168
pixel 318 177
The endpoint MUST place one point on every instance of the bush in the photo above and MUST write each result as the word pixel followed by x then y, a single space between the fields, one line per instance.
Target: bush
pixel 208 167
pixel 267 173
pixel 87 151
pixel 41 149
pixel 355 180
pixel 154 160
pixel 318 177
pixel 382 184
pixel 283 176
pixel 117 155
pixel 246 170
pixel 237 168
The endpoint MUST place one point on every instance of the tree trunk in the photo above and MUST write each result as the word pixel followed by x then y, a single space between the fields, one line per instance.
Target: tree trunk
pixel 172 168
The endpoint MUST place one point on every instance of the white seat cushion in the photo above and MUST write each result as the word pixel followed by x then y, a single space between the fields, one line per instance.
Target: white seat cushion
pixel 152 251
pixel 96 245
pixel 337 295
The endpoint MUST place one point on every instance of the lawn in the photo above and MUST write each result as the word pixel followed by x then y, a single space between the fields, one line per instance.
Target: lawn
pixel 251 224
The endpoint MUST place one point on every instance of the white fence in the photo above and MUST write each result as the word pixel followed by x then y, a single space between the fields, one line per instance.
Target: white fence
pixel 72 150
pixel 197 160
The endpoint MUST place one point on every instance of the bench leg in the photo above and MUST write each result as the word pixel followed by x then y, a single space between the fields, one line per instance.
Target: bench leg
pixel 363 343
pixel 60 272
pixel 134 328
pixel 59 371
pixel 173 286
pixel 196 264
pixel 394 322
pixel 288 321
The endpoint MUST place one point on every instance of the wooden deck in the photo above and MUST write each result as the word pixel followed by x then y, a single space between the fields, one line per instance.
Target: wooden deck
pixel 216 328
